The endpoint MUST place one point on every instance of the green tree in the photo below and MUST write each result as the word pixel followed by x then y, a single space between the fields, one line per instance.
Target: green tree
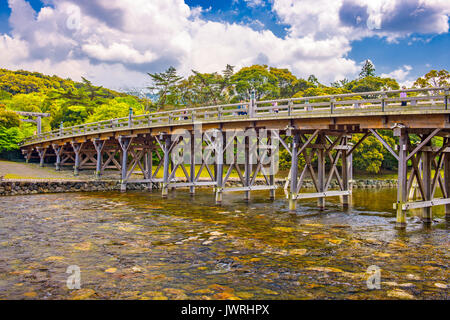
pixel 368 69
pixel 313 79
pixel 10 138
pixel 371 83
pixel 116 108
pixel 165 86
pixel 433 78
pixel 31 102
pixel 256 78
pixel 8 118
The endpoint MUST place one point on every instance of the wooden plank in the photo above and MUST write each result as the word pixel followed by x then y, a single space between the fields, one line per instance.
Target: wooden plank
pixel 384 143
pixel 251 188
pixel 192 184
pixel 423 143
pixel 323 194
pixel 425 204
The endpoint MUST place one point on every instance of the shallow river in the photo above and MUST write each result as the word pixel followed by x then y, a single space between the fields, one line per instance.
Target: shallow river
pixel 139 246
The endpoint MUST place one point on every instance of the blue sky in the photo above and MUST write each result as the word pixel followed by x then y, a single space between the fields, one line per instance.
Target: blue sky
pixel 116 45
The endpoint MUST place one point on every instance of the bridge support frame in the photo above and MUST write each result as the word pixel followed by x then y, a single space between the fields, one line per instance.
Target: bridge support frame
pixel 166 138
pixel 429 157
pixel 321 144
pixel 77 146
pixel 41 151
pixel 58 150
pixel 98 145
pixel 125 143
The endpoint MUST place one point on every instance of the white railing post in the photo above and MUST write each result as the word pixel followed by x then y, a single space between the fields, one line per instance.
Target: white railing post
pixel 383 101
pixel 332 104
pixel 252 106
pixel 446 99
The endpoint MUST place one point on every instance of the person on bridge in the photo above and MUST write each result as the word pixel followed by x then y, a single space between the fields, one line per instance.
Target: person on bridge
pixel 241 113
pixel 403 95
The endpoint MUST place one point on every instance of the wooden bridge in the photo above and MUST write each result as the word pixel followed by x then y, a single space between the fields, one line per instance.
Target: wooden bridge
pixel 306 128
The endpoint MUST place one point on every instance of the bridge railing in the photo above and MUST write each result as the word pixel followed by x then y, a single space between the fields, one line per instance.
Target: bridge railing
pixel 435 98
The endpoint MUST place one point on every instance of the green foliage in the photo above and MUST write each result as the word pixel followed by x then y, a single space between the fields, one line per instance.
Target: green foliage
pixel 8 119
pixel 31 102
pixel 288 83
pixel 372 83
pixel 116 108
pixel 165 86
pixel 15 82
pixel 370 154
pixel 433 78
pixel 257 78
pixel 368 69
pixel 320 91
pixel 10 138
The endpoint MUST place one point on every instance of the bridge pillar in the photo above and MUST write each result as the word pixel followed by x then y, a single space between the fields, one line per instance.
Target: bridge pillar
pixel 247 167
pixel 447 183
pixel 219 169
pixel 271 172
pixel 192 164
pixel 58 150
pixel 39 124
pixel 98 145
pixel 294 172
pixel 41 151
pixel 321 173
pixel 426 176
pixel 347 170
pixel 124 143
pixel 402 192
pixel 149 167
pixel 166 166
pixel 77 149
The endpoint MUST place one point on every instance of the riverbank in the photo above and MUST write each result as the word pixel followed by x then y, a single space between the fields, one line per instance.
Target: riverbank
pixel 18 178
pixel 24 187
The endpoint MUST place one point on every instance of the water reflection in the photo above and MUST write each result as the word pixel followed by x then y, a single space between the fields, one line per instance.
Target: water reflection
pixel 140 246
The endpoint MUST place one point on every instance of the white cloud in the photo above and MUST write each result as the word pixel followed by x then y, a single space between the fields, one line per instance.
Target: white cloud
pixel 254 3
pixel 399 74
pixel 115 42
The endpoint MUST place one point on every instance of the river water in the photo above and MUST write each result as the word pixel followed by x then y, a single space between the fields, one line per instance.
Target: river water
pixel 137 245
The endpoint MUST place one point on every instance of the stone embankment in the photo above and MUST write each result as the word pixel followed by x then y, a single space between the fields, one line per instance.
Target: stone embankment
pixel 23 187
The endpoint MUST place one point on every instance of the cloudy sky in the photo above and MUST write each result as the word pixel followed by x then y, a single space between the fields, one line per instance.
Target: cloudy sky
pixel 116 42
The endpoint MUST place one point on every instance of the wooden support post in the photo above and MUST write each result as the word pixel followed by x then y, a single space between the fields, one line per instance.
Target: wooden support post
pixel 149 167
pixel 294 172
pixel 321 174
pixel 402 190
pixel 99 144
pixel 247 166
pixel 345 176
pixel 192 164
pixel 125 143
pixel 271 173
pixel 166 166
pixel 426 169
pixel 219 170
pixel 58 150
pixel 28 154
pixel 41 151
pixel 447 183
pixel 39 124
pixel 77 150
